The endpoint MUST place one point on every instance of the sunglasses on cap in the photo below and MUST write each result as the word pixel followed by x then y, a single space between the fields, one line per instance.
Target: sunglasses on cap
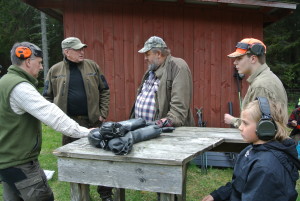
pixel 243 46
pixel 255 48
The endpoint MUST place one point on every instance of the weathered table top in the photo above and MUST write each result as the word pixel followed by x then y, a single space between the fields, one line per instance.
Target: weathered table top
pixel 175 148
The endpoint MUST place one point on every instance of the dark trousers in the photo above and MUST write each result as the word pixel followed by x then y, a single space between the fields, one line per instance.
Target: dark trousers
pixel 104 191
pixel 26 182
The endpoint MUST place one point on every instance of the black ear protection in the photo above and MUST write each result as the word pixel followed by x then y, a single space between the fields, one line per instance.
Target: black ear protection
pixel 266 127
pixel 24 52
pixel 256 48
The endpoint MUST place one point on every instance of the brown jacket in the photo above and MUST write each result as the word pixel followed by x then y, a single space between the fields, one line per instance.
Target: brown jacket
pixel 174 95
pixel 96 88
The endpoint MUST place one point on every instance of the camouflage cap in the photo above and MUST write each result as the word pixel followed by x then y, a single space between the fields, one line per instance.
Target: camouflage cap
pixel 73 43
pixel 153 42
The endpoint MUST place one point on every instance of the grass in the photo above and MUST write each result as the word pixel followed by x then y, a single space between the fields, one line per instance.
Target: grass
pixel 198 184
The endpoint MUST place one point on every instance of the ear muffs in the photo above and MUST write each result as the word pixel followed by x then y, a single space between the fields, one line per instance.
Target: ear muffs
pixel 257 49
pixel 266 127
pixel 23 52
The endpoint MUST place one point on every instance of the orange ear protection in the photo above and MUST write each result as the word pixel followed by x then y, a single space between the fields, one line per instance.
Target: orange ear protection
pixel 23 52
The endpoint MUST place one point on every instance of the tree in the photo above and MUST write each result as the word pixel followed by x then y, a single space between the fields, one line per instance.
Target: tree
pixel 283 49
pixel 21 22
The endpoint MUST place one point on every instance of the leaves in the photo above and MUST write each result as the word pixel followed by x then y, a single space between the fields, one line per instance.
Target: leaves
pixel 21 22
pixel 283 49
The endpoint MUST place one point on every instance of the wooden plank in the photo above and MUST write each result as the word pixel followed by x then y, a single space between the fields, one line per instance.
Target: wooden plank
pixel 227 65
pixel 109 57
pixel 215 65
pixel 119 70
pixel 79 20
pixel 147 25
pixel 177 21
pixel 166 149
pixel 207 83
pixel 117 174
pixel 169 30
pixel 68 19
pixel 119 194
pixel 98 39
pixel 167 197
pixel 158 21
pixel 182 197
pixel 88 29
pixel 188 45
pixel 128 55
pixel 138 40
pixel 80 192
pixel 199 61
pixel 274 4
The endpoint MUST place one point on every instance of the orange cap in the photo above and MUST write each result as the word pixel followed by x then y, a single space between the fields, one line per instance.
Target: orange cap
pixel 243 47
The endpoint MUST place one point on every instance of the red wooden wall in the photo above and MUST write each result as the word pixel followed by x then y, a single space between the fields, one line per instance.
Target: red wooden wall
pixel 201 35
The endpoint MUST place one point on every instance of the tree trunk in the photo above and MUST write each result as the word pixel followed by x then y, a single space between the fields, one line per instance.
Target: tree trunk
pixel 44 44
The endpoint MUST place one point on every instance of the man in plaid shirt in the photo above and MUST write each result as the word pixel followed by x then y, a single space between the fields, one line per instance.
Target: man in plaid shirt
pixel 165 95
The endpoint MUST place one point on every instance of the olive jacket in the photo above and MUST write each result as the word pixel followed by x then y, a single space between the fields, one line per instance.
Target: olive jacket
pixel 96 87
pixel 174 95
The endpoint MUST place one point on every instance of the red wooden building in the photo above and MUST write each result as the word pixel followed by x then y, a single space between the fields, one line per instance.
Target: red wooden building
pixel 202 32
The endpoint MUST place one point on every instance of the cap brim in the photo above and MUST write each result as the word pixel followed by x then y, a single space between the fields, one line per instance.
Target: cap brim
pixel 144 49
pixel 238 52
pixel 235 54
pixel 79 46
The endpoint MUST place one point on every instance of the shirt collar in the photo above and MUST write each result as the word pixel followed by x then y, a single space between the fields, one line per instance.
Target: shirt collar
pixel 258 71
pixel 160 70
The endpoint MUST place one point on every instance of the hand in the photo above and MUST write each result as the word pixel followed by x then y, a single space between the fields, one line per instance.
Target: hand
pixel 294 123
pixel 165 122
pixel 208 198
pixel 101 119
pixel 228 118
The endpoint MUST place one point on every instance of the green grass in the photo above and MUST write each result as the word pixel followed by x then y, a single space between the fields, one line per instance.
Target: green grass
pixel 198 184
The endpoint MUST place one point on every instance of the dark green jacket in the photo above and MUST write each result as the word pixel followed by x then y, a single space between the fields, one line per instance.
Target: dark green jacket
pixel 96 88
pixel 174 95
pixel 20 135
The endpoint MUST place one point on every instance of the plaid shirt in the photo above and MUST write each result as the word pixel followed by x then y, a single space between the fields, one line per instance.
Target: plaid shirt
pixel 145 102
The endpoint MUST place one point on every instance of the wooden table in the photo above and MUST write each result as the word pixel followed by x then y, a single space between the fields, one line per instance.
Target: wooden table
pixel 157 165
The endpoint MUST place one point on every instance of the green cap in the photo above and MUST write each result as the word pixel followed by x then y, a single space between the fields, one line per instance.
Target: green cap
pixel 73 43
pixel 153 42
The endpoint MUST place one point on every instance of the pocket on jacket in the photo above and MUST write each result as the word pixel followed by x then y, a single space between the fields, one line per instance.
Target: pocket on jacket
pixel 34 189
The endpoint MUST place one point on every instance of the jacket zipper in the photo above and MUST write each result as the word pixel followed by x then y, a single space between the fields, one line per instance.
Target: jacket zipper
pixel 63 89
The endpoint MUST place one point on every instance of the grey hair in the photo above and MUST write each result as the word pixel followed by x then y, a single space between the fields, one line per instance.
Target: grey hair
pixel 18 61
pixel 163 50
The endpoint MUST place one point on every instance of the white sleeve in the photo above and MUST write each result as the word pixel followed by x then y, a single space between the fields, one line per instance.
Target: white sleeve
pixel 25 98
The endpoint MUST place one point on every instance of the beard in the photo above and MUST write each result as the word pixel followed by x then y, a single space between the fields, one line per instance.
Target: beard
pixel 154 66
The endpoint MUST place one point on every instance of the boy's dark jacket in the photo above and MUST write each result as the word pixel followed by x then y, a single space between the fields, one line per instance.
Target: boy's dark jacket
pixel 266 172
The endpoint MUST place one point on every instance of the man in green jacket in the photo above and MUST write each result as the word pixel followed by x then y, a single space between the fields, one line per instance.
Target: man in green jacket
pixel 79 88
pixel 165 93
pixel 22 110
pixel 250 59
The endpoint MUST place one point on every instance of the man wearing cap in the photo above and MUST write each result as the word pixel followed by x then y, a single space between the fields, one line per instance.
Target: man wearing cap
pixel 22 110
pixel 165 94
pixel 250 59
pixel 79 88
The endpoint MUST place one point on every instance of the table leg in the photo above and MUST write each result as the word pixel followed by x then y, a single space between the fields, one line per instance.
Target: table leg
pixel 119 194
pixel 80 192
pixel 182 197
pixel 167 197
